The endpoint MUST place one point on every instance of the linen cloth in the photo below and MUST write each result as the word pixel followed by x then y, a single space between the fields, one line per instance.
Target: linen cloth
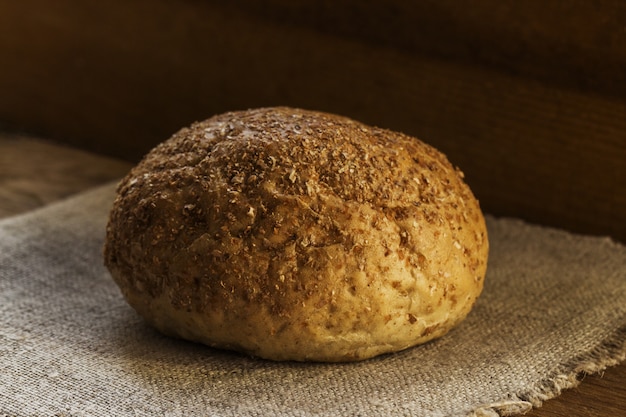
pixel 553 308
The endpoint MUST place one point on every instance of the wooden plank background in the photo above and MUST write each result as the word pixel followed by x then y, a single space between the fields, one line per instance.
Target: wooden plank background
pixel 528 98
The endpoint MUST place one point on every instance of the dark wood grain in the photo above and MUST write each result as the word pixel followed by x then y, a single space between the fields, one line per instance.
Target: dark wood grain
pixel 528 98
pixel 34 172
pixel 119 77
pixel 573 44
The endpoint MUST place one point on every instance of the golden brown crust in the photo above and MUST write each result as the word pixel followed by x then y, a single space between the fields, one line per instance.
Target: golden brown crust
pixel 297 235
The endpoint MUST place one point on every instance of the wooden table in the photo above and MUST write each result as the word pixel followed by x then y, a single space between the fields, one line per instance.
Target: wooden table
pixel 34 173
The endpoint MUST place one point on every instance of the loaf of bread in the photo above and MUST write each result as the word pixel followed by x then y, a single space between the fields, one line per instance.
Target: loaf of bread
pixel 297 235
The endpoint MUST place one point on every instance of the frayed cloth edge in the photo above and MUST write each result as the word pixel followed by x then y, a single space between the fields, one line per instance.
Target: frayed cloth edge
pixel 610 352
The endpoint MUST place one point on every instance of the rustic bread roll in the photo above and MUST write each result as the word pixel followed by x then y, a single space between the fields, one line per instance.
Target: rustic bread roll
pixel 297 235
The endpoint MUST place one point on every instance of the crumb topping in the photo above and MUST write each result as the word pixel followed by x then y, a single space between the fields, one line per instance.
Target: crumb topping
pixel 299 213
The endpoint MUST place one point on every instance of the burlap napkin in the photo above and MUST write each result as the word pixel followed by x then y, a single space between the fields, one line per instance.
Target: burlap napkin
pixel 554 306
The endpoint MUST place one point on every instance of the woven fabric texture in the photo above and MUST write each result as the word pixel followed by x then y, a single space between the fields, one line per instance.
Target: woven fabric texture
pixel 553 308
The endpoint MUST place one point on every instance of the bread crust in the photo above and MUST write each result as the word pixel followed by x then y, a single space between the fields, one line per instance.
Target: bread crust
pixel 297 235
